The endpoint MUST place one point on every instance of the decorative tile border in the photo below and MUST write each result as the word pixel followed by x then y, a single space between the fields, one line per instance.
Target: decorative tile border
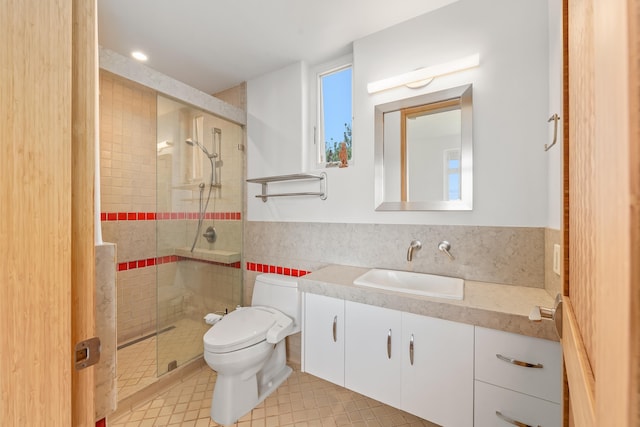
pixel 152 216
pixel 131 265
pixel 149 262
pixel 264 268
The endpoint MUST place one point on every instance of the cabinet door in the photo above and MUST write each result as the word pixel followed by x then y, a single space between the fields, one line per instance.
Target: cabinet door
pixel 372 352
pixel 324 338
pixel 438 385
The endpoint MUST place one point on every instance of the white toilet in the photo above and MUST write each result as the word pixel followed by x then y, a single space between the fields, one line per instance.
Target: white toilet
pixel 247 348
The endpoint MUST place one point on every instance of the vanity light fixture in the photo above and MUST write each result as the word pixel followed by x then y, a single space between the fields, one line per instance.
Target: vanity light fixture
pixel 423 76
pixel 140 56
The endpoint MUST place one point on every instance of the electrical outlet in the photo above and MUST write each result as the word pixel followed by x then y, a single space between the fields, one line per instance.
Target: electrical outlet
pixel 556 259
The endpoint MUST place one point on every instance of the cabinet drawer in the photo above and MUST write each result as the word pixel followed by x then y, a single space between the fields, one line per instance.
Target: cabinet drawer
pixel 492 403
pixel 543 381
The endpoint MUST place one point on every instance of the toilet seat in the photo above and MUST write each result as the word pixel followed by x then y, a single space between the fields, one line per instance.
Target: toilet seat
pixel 243 328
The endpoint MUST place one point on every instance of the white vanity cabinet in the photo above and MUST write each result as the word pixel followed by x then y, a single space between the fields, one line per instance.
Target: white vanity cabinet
pixel 324 337
pixel 437 370
pixel 373 352
pixel 518 380
pixel 419 364
pixel 449 373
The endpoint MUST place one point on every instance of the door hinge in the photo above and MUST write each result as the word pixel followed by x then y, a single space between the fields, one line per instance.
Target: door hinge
pixel 87 353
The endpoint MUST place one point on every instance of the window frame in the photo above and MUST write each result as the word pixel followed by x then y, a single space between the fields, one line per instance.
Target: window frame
pixel 317 110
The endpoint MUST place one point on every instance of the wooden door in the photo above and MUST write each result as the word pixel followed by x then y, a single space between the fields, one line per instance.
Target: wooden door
pixel 46 206
pixel 602 224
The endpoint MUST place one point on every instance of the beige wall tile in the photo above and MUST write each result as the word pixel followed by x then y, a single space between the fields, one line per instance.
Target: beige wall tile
pixel 127 145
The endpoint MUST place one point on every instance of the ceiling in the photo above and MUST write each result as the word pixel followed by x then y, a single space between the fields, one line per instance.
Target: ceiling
pixel 213 45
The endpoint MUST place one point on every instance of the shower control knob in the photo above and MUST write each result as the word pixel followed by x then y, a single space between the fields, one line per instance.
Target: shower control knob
pixel 210 235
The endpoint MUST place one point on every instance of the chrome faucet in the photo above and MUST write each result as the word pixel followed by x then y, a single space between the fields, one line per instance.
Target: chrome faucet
pixel 415 244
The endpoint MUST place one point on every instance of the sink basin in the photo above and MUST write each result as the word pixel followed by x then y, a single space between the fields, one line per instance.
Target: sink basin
pixel 408 282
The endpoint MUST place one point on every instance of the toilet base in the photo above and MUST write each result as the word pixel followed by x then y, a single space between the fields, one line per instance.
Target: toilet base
pixel 233 396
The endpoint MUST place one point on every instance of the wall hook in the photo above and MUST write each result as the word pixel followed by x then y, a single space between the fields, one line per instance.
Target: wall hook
pixel 555 119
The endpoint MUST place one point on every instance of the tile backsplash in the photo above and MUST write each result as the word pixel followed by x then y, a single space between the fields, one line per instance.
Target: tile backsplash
pixel 505 255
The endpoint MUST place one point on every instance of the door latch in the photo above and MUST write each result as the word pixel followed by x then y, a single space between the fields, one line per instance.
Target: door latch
pixel 87 353
pixel 538 313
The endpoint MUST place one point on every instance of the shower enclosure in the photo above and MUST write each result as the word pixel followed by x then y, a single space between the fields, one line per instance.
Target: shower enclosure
pixel 158 197
pixel 199 172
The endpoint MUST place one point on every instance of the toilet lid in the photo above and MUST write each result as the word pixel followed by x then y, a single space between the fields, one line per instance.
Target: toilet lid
pixel 239 329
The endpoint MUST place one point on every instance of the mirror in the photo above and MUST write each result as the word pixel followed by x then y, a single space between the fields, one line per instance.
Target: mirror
pixel 423 152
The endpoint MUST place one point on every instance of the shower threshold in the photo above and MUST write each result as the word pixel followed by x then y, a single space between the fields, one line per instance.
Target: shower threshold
pixel 146 337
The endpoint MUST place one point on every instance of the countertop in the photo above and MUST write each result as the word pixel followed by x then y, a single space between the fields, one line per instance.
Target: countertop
pixel 490 305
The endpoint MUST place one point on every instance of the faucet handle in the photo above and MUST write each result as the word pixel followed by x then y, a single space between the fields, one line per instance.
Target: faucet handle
pixel 445 247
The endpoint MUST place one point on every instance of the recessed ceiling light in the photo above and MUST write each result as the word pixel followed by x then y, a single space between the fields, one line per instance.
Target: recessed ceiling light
pixel 139 55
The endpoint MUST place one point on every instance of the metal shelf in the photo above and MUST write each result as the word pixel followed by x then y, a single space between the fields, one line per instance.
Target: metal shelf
pixel 265 181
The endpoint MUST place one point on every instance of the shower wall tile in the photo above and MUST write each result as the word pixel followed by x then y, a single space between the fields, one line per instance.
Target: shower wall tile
pixel 170 298
pixel 136 303
pixel 229 235
pixel 127 145
pixel 170 235
pixel 135 239
pixel 128 186
pixel 236 96
pixel 105 370
pixel 208 288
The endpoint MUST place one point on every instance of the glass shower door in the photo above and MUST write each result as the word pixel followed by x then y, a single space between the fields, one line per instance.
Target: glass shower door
pixel 198 226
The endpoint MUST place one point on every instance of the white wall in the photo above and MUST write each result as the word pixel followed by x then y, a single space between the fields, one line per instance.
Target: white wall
pixel 276 117
pixel 554 155
pixel 510 107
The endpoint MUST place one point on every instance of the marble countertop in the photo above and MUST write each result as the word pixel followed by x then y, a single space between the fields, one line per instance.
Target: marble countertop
pixel 502 307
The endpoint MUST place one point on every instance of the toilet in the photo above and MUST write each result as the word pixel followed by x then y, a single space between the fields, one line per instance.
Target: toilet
pixel 247 349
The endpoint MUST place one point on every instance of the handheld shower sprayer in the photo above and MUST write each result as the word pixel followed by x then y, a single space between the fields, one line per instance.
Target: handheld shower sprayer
pixel 210 234
pixel 195 143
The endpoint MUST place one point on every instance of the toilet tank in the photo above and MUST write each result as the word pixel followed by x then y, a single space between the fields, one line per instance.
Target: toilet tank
pixel 279 292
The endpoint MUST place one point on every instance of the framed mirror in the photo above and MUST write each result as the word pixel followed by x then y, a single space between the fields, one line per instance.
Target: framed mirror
pixel 423 152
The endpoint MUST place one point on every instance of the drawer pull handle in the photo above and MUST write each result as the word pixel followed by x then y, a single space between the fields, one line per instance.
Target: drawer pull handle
pixel 335 328
pixel 519 362
pixel 411 349
pixel 511 420
pixel 389 344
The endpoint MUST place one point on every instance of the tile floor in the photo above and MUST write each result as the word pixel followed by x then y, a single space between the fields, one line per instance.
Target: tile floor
pixel 137 366
pixel 303 400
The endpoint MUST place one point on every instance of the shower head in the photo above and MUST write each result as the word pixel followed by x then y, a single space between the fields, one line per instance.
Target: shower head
pixel 193 143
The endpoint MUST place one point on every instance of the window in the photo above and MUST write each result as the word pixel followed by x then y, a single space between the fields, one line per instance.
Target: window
pixel 334 118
